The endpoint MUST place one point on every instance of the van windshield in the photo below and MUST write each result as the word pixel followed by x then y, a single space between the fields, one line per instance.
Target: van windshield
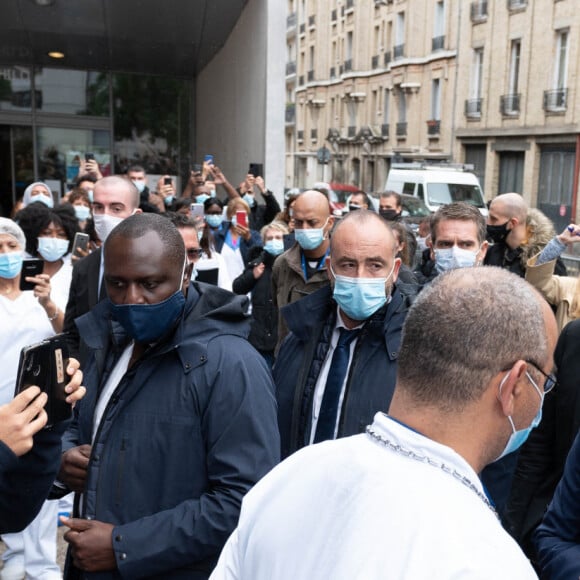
pixel 444 193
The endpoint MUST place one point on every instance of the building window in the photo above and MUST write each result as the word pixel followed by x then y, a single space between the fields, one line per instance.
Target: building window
pixel 555 99
pixel 399 48
pixel 436 100
pixel 438 41
pixel 510 103
pixel 473 104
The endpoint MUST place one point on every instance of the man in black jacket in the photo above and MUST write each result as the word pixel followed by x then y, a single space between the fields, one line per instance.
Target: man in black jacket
pixel 361 299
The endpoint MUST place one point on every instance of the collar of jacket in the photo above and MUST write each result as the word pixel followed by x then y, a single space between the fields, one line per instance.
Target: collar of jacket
pixel 306 314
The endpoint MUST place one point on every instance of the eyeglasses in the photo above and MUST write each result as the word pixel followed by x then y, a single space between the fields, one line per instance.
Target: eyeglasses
pixel 194 253
pixel 551 380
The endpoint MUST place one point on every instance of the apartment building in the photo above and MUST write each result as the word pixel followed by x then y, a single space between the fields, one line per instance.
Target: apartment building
pixel 487 82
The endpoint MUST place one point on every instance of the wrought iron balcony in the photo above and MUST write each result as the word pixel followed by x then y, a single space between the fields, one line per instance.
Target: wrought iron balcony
pixel 302 28
pixel 555 100
pixel 399 51
pixel 332 72
pixel 437 43
pixel 291 68
pixel 387 57
pixel 333 15
pixel 433 127
pixel 478 10
pixel 516 4
pixel 310 75
pixel 401 129
pixel 349 3
pixel 375 62
pixel 473 108
pixel 311 21
pixel 301 80
pixel 300 135
pixel 351 132
pixel 291 20
pixel 348 65
pixel 385 130
pixel 509 105
pixel 313 134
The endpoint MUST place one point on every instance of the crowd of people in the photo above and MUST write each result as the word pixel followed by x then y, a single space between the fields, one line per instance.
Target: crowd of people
pixel 284 392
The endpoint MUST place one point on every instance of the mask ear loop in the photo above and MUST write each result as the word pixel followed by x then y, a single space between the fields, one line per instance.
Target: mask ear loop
pixel 499 399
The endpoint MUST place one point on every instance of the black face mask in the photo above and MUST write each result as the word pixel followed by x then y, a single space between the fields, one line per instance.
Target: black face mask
pixel 389 214
pixel 497 234
pixel 353 207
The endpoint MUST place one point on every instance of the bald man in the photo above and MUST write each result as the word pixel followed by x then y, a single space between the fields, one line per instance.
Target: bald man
pixel 506 228
pixel 302 269
pixel 338 365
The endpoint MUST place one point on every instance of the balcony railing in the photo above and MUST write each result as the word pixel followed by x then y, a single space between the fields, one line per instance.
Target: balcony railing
pixel 437 43
pixel 387 57
pixel 555 100
pixel 375 62
pixel 351 132
pixel 333 15
pixel 473 108
pixel 401 129
pixel 433 127
pixel 509 105
pixel 302 28
pixel 301 80
pixel 313 134
pixel 290 113
pixel 478 10
pixel 332 72
pixel 348 65
pixel 311 21
pixel 291 68
pixel 399 51
pixel 300 135
pixel 516 4
pixel 310 75
pixel 349 3
pixel 291 20
pixel 385 130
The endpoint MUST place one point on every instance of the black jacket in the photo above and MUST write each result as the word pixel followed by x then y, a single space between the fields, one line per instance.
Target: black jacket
pixel 371 379
pixel 264 332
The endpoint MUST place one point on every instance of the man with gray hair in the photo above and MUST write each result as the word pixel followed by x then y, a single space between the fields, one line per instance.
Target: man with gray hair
pixel 506 228
pixel 404 499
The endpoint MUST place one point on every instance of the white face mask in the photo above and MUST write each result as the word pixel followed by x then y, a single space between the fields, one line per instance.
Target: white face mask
pixel 140 185
pixel 105 224
pixel 455 257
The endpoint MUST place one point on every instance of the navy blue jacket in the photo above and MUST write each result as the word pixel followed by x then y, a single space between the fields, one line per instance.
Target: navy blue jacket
pixel 558 537
pixel 372 373
pixel 25 481
pixel 188 431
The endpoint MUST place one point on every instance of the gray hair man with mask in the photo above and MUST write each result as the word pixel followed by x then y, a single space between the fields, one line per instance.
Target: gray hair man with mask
pixel 302 269
pixel 337 367
pixel 457 241
pixel 404 499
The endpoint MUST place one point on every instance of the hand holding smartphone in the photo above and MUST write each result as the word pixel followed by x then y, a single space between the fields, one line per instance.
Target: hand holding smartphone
pixel 30 268
pixel 80 242
pixel 196 211
pixel 242 218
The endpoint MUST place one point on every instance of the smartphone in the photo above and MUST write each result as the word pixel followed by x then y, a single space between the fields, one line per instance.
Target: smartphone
pixel 208 159
pixel 196 168
pixel 167 181
pixel 89 156
pixel 196 210
pixel 242 218
pixel 256 169
pixel 44 365
pixel 31 267
pixel 81 241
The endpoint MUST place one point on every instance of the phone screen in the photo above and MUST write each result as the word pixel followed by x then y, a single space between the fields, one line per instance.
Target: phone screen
pixel 242 218
pixel 81 241
pixel 167 180
pixel 196 210
pixel 89 156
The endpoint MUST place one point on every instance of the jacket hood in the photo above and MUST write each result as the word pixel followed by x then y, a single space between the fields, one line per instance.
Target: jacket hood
pixel 540 230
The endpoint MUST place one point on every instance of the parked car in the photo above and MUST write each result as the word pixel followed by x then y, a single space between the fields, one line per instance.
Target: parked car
pixel 338 194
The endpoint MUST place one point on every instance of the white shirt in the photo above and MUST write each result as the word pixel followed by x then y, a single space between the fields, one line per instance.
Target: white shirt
pixel 60 284
pixel 354 509
pixel 323 376
pixel 24 322
pixel 216 262
pixel 233 261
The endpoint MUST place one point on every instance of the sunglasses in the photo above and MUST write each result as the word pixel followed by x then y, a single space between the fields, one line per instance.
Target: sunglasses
pixel 194 253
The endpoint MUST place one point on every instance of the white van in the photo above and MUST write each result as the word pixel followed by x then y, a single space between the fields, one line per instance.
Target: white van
pixel 437 185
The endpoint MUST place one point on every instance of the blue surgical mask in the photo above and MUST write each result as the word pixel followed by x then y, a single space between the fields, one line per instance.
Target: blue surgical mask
pixel 274 247
pixel 168 199
pixel 45 199
pixel 10 265
pixel 455 257
pixel 360 298
pixel 140 185
pixel 518 438
pixel 310 239
pixel 201 197
pixel 249 199
pixel 213 220
pixel 212 193
pixel 82 212
pixel 52 249
pixel 90 194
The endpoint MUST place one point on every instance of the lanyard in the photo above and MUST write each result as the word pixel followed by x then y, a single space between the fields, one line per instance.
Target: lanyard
pixel 319 266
